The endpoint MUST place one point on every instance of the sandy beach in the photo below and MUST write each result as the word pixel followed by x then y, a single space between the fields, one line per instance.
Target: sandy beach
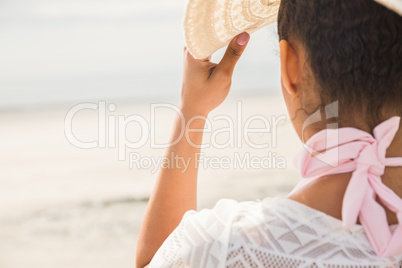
pixel 63 206
pixel 72 191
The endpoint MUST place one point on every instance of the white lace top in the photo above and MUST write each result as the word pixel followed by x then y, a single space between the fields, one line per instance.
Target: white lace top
pixel 275 232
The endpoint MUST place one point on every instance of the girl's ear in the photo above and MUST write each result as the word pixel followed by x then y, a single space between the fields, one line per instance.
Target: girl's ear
pixel 289 67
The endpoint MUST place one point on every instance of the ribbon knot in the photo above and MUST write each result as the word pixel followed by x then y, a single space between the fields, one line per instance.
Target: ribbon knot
pixel 370 158
pixel 363 154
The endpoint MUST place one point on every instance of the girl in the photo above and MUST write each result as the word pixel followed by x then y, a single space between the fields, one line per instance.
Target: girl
pixel 340 58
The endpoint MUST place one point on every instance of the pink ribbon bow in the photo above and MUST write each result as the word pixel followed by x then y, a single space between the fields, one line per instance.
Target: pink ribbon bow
pixel 352 150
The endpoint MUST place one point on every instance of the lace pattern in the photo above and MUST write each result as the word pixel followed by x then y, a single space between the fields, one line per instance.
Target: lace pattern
pixel 275 232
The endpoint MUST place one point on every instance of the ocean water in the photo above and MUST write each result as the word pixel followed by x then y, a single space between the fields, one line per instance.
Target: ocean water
pixel 69 51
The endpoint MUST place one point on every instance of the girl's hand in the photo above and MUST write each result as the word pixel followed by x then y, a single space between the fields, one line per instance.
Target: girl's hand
pixel 206 84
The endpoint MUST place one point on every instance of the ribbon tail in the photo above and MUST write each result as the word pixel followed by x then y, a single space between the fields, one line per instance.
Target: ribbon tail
pixel 374 220
pixel 354 197
pixel 394 247
pixel 394 244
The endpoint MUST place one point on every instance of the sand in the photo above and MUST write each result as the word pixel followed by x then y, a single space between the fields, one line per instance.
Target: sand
pixel 62 206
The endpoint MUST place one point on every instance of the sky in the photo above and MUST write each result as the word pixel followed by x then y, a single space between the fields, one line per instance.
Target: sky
pixel 67 51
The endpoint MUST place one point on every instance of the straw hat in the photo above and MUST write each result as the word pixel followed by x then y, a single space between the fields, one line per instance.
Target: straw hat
pixel 210 24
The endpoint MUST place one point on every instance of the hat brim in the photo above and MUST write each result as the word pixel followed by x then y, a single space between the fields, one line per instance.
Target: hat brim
pixel 211 24
pixel 394 5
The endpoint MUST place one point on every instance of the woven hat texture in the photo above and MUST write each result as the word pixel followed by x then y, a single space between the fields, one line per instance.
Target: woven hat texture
pixel 211 24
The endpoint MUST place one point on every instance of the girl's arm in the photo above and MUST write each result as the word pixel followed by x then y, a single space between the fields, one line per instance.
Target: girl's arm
pixel 205 86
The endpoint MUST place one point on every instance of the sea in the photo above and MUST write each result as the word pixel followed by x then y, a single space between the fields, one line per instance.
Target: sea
pixel 54 52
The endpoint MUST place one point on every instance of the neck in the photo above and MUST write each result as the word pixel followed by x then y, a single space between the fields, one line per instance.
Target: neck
pixel 326 194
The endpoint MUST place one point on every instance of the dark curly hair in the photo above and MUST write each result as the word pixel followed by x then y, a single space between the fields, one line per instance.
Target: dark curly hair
pixel 354 51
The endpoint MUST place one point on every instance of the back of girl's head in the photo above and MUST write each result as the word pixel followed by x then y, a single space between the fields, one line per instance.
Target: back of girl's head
pixel 354 51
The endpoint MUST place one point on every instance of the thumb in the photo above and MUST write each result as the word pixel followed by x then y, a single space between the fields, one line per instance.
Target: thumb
pixel 233 53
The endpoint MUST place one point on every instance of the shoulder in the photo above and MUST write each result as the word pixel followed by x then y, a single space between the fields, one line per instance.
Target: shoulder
pixel 273 219
pixel 206 238
pixel 280 231
pixel 201 239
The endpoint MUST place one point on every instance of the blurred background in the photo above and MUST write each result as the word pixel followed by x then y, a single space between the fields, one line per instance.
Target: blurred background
pixel 62 206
